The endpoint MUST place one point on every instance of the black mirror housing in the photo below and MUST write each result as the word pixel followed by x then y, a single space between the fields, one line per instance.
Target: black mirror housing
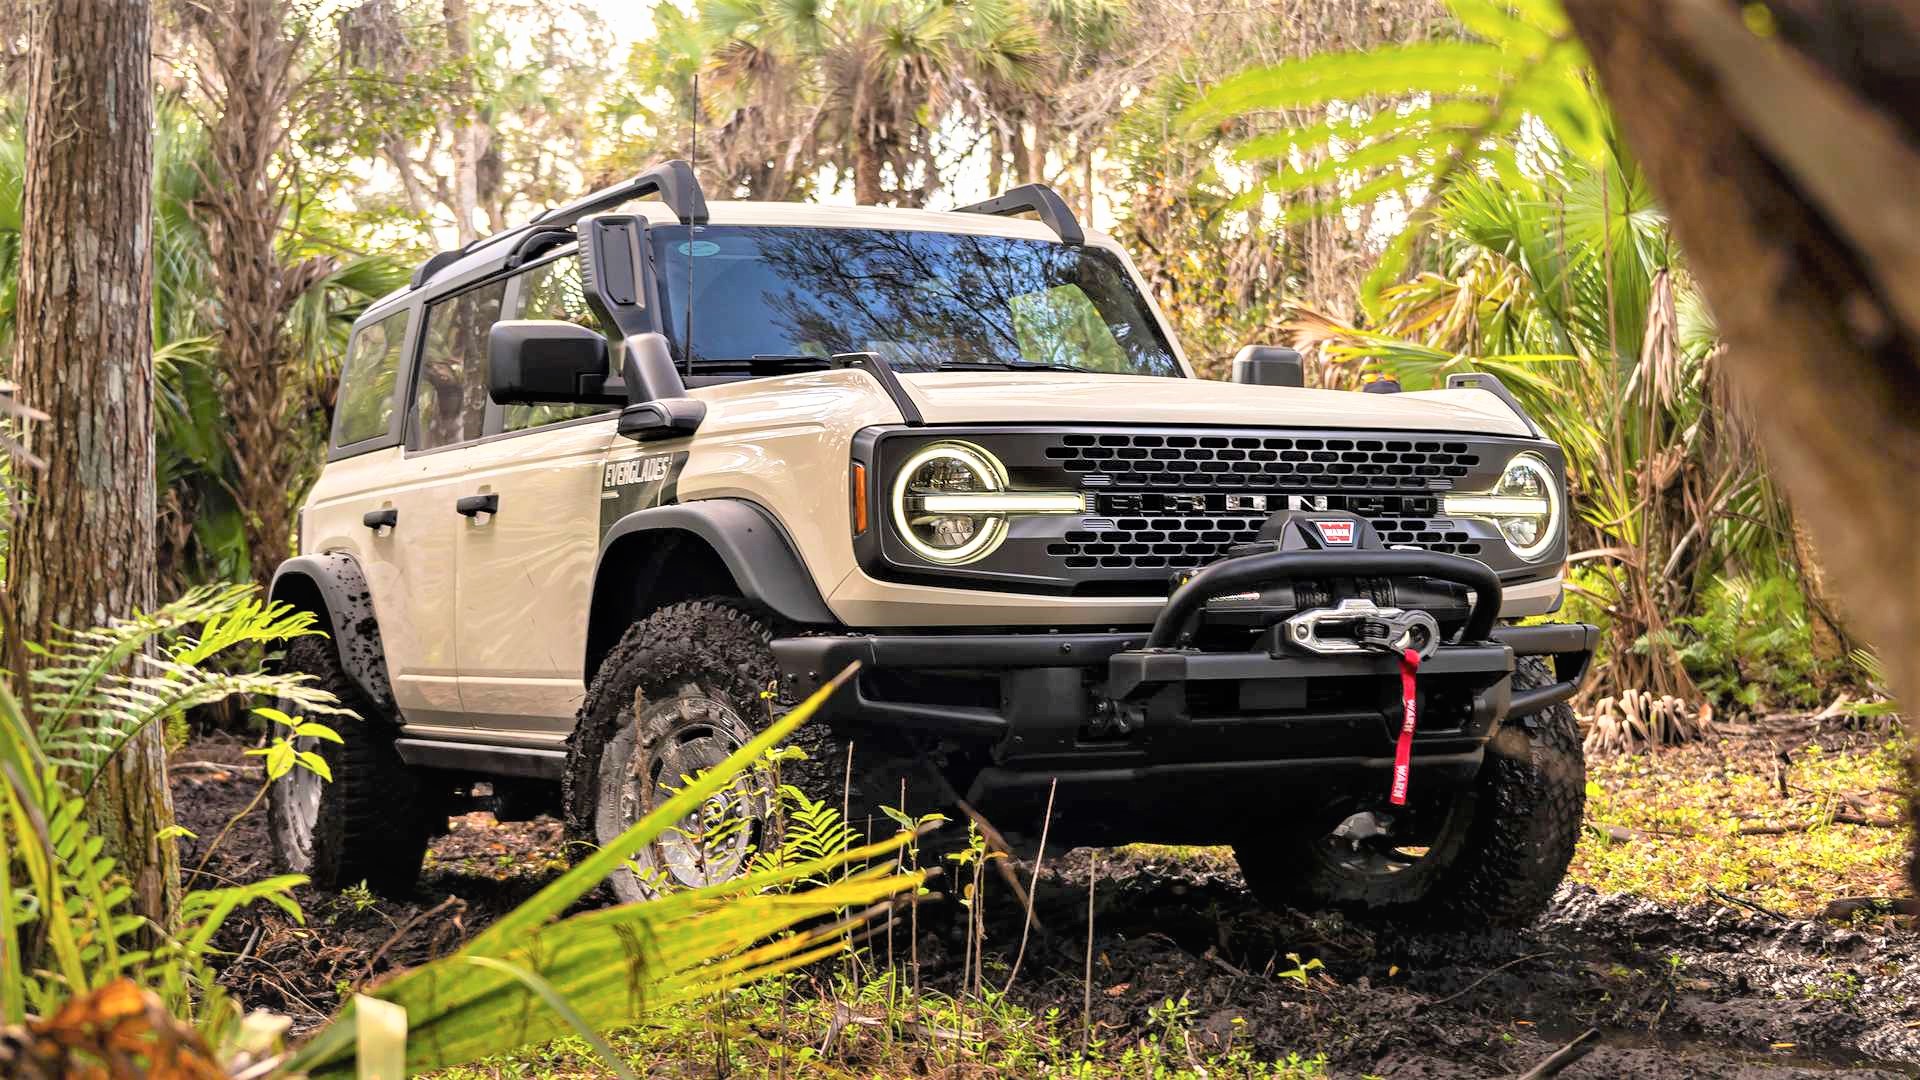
pixel 618 271
pixel 542 362
pixel 1269 365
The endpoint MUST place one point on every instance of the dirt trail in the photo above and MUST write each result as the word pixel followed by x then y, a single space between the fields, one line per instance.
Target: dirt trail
pixel 1702 991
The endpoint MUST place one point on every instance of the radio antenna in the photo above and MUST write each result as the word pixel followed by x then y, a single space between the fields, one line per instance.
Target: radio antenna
pixel 693 165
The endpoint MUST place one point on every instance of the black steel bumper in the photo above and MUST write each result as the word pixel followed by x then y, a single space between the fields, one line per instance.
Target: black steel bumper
pixel 1126 719
pixel 1033 663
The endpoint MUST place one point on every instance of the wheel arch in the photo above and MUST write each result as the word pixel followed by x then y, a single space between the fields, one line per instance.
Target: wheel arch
pixel 684 551
pixel 331 585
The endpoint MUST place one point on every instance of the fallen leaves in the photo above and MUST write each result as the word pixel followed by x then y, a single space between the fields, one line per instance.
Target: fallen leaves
pixel 118 1030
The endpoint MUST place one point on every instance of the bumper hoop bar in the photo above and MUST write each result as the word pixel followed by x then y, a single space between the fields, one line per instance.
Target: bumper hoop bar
pixel 1232 575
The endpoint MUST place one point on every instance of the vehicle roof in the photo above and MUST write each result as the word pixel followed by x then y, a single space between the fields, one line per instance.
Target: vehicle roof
pixel 488 252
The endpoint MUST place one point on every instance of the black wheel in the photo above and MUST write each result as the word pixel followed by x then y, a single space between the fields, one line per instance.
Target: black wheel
pixel 371 823
pixel 1495 858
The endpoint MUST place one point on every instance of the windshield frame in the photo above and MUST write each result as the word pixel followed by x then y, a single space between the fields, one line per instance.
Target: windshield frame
pixel 666 273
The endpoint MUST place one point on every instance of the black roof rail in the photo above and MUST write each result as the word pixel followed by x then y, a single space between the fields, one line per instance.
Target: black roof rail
pixel 1039 198
pixel 674 181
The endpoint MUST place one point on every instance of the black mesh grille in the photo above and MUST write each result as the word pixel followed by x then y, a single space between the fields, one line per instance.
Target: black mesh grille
pixel 1270 462
pixel 1175 501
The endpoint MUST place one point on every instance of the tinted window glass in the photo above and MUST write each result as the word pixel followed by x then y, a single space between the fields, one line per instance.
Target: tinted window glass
pixel 450 394
pixel 923 301
pixel 553 290
pixel 365 409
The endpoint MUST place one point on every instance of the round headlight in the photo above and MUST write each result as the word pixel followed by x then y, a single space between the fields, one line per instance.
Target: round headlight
pixel 946 530
pixel 1524 505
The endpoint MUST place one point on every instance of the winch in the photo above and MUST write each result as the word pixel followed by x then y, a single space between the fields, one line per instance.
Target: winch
pixel 1337 614
pixel 1359 625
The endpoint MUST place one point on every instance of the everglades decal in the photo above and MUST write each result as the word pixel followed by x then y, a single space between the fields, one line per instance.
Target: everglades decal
pixel 637 483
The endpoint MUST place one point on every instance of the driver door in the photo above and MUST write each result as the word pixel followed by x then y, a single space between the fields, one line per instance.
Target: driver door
pixel 526 570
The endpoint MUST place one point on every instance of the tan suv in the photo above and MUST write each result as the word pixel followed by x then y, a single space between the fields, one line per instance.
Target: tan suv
pixel 596 484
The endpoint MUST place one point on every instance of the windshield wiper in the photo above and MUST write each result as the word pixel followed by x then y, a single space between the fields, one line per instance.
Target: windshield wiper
pixel 1002 365
pixel 763 363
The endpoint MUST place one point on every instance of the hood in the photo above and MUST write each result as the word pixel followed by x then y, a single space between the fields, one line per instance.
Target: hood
pixel 1044 397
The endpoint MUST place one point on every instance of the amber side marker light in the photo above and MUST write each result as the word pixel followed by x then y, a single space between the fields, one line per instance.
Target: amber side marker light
pixel 859 499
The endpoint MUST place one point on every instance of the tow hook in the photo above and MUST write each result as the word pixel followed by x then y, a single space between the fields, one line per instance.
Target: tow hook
pixel 1360 625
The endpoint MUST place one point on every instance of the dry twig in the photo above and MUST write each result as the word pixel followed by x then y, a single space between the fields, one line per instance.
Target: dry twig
pixel 1565 1056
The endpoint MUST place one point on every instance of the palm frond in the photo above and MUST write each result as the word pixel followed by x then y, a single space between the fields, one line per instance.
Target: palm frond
pixel 609 966
pixel 1414 120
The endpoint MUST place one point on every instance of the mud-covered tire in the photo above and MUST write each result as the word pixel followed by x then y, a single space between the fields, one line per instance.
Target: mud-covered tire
pixel 372 822
pixel 1500 854
pixel 698 671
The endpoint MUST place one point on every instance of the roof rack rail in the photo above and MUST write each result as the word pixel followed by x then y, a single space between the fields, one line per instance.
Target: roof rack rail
pixel 674 181
pixel 1053 211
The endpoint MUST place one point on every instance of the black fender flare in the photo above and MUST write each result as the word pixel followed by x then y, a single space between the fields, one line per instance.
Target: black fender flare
pixel 755 549
pixel 334 580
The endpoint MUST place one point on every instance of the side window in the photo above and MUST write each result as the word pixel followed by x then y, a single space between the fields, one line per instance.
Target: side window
pixel 553 290
pixel 450 394
pixel 367 376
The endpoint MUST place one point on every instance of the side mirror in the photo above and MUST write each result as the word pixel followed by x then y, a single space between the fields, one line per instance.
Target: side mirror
pixel 539 362
pixel 1269 365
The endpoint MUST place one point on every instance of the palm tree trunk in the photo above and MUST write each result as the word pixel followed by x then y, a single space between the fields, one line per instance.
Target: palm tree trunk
pixel 83 546
pixel 1771 152
pixel 248 78
pixel 866 174
pixel 996 158
pixel 866 150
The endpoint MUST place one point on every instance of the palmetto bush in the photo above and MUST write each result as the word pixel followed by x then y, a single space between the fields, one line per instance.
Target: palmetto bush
pixel 89 988
pixel 1534 250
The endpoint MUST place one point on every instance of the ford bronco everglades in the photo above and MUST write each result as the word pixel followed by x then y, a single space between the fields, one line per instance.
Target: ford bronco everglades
pixel 598 484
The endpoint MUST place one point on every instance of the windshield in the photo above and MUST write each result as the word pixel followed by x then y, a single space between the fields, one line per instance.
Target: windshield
pixel 922 301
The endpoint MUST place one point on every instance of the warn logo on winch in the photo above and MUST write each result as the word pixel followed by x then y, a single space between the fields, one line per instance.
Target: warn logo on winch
pixel 1336 532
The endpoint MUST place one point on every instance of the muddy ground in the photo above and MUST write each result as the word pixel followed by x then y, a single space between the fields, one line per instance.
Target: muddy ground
pixel 1700 991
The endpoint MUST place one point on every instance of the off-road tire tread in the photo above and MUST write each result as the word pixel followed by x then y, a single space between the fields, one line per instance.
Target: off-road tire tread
pixel 1530 798
pixel 373 825
pixel 724 644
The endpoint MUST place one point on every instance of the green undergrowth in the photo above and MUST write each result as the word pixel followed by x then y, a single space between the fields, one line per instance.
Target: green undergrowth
pixel 877 1028
pixel 1669 825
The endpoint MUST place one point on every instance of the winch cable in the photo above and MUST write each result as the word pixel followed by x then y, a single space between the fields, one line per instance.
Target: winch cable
pixel 1403 749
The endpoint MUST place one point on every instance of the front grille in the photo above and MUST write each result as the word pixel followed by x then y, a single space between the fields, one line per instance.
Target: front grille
pixel 1160 499
pixel 1205 528
pixel 1270 461
pixel 1144 528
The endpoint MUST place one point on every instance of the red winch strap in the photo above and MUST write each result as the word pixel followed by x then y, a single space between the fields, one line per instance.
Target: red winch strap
pixel 1403 750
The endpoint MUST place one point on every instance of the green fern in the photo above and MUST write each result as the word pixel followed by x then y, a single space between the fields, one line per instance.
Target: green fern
pixel 60 894
pixel 811 831
pixel 93 690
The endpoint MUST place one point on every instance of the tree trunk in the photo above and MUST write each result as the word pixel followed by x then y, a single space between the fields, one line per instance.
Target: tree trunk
pixel 1775 135
pixel 83 543
pixel 248 81
pixel 466 131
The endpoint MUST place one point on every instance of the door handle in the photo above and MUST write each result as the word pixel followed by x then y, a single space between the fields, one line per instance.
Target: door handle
pixel 474 505
pixel 380 519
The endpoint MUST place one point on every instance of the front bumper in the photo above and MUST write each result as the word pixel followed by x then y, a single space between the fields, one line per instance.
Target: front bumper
pixel 1126 722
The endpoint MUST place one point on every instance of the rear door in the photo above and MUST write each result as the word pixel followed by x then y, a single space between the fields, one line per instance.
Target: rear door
pixel 526 571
